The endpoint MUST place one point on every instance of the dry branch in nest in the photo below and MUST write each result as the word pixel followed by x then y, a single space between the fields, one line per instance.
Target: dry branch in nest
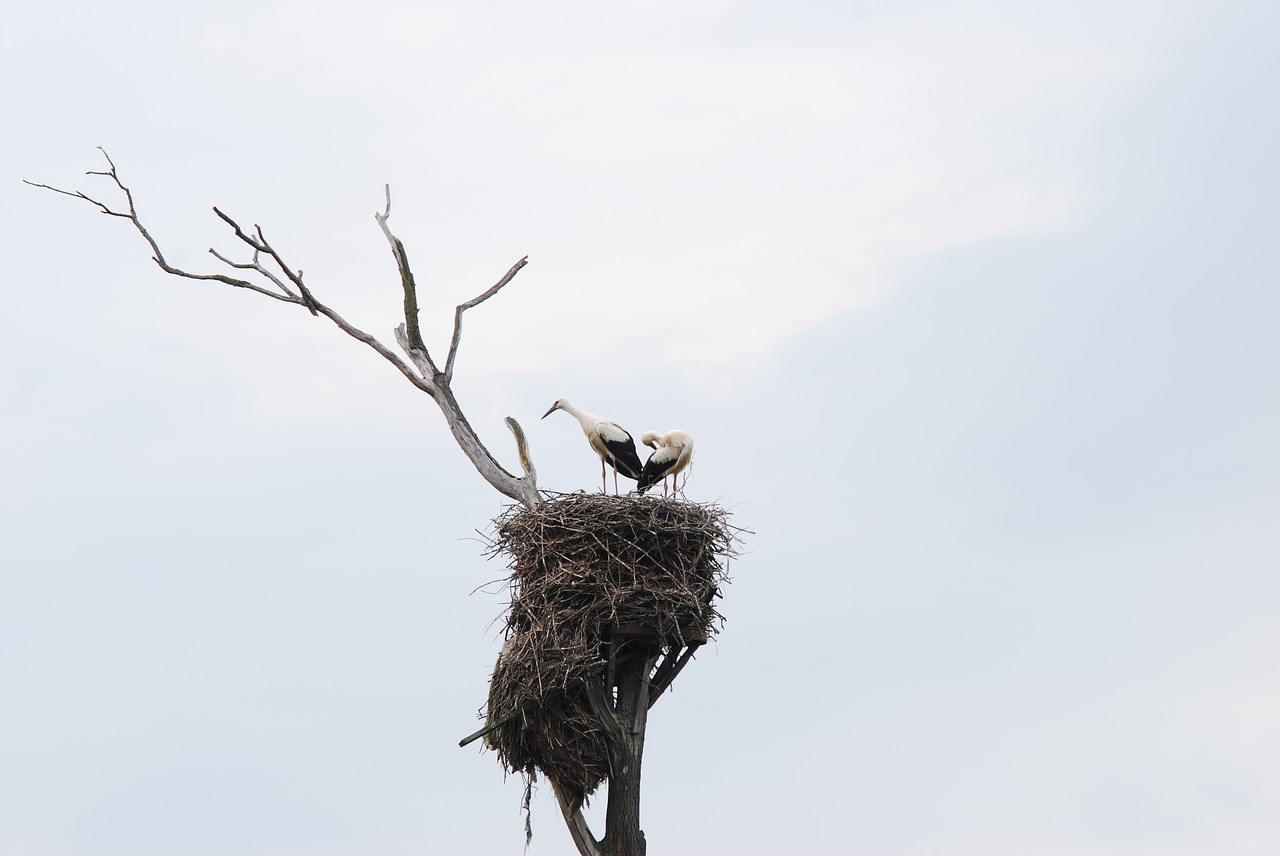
pixel 595 579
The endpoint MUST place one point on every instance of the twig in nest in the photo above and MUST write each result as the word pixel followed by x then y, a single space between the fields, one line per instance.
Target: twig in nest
pixel 590 572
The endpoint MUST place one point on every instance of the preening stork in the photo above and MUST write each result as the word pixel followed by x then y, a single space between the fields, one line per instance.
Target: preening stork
pixel 672 453
pixel 609 440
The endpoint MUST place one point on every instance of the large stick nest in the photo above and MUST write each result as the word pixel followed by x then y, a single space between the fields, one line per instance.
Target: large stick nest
pixel 592 574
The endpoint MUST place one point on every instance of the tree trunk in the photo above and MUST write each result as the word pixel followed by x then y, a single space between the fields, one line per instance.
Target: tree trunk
pixel 623 836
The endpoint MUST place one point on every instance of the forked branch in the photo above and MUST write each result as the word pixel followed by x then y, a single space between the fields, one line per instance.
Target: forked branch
pixel 157 256
pixel 282 282
pixel 475 301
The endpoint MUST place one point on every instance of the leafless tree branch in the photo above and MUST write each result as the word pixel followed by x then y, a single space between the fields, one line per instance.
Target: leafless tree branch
pixel 475 301
pixel 426 377
pixel 295 278
pixel 406 282
pixel 157 256
pixel 79 195
pixel 522 448
pixel 254 265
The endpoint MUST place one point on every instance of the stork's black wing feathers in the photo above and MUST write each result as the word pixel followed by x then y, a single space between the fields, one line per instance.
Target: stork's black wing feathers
pixel 655 469
pixel 622 455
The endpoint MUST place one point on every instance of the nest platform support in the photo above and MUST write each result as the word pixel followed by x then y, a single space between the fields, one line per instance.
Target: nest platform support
pixel 610 598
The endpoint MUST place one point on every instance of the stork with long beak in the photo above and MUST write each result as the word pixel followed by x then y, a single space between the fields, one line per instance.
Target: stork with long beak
pixel 609 440
pixel 672 453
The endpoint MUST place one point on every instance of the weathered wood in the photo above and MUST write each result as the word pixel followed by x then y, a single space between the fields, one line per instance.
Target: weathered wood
pixel 407 282
pixel 492 726
pixel 523 490
pixel 623 836
pixel 475 301
pixel 579 831
pixel 598 697
pixel 668 663
pixel 291 289
pixel 661 684
pixel 530 481
pixel 636 630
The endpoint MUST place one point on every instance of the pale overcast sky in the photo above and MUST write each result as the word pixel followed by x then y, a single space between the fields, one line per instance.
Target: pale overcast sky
pixel 971 308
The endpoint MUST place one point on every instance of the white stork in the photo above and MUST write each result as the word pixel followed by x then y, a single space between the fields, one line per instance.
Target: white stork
pixel 609 440
pixel 672 453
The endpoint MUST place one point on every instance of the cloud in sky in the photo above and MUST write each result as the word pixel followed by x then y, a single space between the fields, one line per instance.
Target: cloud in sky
pixel 781 181
pixel 734 169
pixel 994 286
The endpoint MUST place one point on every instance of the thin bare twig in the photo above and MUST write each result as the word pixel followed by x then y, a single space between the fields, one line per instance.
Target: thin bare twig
pixel 295 278
pixel 257 248
pixel 475 301
pixel 259 245
pixel 290 288
pixel 157 256
pixel 254 265
pixel 79 195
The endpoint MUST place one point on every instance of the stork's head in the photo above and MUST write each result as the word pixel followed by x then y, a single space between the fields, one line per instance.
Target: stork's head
pixel 650 439
pixel 560 403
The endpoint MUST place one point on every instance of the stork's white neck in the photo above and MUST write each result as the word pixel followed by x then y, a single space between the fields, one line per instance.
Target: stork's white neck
pixel 568 408
pixel 584 418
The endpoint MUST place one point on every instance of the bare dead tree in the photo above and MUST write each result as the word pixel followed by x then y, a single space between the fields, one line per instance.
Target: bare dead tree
pixel 273 277
pixel 621 699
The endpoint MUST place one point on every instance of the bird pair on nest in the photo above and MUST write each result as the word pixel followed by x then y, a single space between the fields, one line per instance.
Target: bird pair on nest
pixel 672 451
